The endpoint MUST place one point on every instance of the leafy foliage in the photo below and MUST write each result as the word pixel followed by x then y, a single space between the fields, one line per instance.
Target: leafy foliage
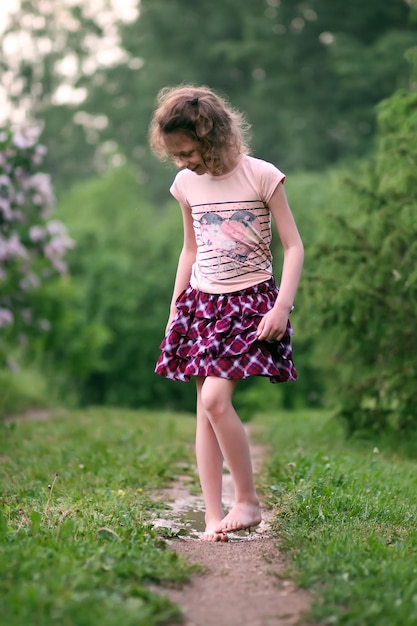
pixel 365 288
pixel 301 72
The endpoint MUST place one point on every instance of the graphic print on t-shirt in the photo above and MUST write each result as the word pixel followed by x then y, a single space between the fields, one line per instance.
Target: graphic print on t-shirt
pixel 233 238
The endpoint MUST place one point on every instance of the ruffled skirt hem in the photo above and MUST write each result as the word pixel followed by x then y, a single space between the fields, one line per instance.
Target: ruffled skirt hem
pixel 215 335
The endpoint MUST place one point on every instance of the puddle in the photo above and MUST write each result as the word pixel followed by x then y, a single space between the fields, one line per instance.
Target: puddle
pixel 185 516
pixel 192 521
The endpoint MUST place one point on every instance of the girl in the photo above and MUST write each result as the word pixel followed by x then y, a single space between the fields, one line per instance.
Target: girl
pixel 228 320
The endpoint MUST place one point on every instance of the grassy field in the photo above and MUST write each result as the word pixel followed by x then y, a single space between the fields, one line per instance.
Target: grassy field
pixel 77 498
pixel 346 517
pixel 78 493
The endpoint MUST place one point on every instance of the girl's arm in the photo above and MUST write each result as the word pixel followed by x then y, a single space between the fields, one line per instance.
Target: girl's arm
pixel 185 261
pixel 273 325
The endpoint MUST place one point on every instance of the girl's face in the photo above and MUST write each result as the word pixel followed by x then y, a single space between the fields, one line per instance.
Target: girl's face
pixel 185 152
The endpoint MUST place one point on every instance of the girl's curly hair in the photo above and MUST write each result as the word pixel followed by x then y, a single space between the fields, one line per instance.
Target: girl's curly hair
pixel 205 117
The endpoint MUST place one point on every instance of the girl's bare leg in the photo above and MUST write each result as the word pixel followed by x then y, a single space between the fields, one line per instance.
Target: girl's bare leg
pixel 210 469
pixel 215 398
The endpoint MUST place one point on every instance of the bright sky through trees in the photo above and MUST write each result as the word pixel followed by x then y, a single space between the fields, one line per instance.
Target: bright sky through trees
pixel 105 50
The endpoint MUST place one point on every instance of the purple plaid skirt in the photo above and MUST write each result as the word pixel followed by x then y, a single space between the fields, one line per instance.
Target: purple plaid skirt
pixel 215 335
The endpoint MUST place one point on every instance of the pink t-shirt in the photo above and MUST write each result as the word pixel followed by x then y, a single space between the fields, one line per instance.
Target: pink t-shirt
pixel 232 224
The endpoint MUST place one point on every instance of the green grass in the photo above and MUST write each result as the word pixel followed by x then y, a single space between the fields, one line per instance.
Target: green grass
pixel 77 496
pixel 78 493
pixel 346 517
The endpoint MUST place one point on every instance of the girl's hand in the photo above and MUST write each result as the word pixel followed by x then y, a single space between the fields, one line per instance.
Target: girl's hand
pixel 273 325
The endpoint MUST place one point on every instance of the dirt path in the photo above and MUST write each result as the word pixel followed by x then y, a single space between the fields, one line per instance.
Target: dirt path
pixel 242 581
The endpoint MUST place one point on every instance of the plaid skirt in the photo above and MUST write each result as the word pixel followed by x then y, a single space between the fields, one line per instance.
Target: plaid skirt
pixel 215 335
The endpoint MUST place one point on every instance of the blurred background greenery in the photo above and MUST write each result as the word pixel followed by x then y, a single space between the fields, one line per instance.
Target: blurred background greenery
pixel 330 90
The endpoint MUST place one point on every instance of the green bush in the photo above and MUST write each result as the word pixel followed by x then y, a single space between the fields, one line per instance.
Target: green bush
pixel 363 292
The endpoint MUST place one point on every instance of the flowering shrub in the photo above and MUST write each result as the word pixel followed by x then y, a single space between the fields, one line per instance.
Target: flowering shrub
pixel 32 246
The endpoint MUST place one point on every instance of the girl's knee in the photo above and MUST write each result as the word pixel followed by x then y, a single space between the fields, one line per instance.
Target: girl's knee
pixel 214 405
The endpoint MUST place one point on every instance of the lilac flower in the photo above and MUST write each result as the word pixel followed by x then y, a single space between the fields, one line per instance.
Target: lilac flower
pixel 12 248
pixel 21 176
pixel 59 266
pixel 37 199
pixel 37 233
pixel 40 185
pixel 6 317
pixel 4 181
pixel 30 281
pixel 56 249
pixel 26 201
pixel 25 138
pixel 41 150
pixel 20 141
pixel 55 227
pixel 19 198
pixel 5 209
pixel 36 159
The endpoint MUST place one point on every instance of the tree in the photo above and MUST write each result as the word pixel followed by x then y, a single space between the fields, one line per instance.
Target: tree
pixel 364 287
pixel 47 48
pixel 301 71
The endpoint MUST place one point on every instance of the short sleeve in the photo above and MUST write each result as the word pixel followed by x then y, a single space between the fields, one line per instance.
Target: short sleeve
pixel 270 177
pixel 177 189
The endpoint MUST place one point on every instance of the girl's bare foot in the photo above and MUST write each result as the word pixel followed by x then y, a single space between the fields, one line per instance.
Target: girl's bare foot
pixel 242 516
pixel 214 537
pixel 210 534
